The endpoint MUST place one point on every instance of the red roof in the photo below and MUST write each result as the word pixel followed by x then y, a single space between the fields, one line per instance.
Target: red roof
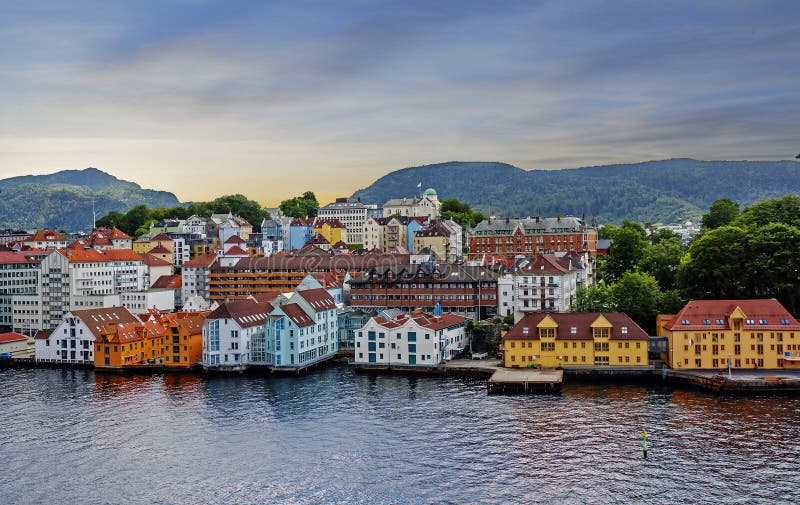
pixel 8 257
pixel 159 249
pixel 46 236
pixel 318 239
pixel 245 313
pixel 296 313
pixel 203 260
pixel 422 319
pixel 100 256
pixel 12 337
pixel 235 239
pixel 318 298
pixel 545 264
pixel 331 222
pixel 622 326
pixel 713 315
pixel 235 251
pixel 167 282
pixel 161 237
pixel 152 260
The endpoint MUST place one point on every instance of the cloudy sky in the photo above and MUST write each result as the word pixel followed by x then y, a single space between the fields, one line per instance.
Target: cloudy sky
pixel 270 99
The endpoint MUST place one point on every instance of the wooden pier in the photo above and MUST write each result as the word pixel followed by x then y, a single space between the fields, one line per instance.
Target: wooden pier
pixel 525 380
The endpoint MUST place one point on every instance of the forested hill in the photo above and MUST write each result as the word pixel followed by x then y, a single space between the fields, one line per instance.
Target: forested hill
pixel 663 191
pixel 63 200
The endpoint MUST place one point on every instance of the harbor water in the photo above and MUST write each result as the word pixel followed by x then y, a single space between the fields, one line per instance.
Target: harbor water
pixel 333 436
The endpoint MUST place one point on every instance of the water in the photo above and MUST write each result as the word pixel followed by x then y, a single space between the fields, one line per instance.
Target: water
pixel 336 437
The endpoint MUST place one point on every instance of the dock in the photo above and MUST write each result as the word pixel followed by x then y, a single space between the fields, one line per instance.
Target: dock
pixel 525 380
pixel 740 381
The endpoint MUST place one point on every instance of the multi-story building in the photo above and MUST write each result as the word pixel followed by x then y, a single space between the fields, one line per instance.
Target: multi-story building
pixel 14 343
pixel 19 276
pixel 352 213
pixel 184 338
pixel 199 225
pixel 332 230
pixel 11 236
pixel 708 334
pixel 46 239
pixel 195 277
pixel 465 290
pixel 386 233
pixel 544 283
pixel 72 340
pixel 524 237
pixel 133 344
pixel 300 232
pixel 608 339
pixel 410 339
pixel 103 238
pixel 228 333
pixel 272 236
pixel 426 205
pixel 301 330
pixel 233 225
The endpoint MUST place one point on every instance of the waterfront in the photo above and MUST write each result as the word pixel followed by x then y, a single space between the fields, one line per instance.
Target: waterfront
pixel 336 437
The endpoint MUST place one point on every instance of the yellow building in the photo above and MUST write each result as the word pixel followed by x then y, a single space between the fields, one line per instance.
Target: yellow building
pixel 705 334
pixel 331 229
pixel 184 334
pixel 129 344
pixel 565 340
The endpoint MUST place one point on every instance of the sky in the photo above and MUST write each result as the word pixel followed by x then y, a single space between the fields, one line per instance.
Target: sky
pixel 270 99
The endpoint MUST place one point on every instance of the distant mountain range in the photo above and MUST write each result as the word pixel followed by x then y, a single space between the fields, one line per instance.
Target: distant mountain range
pixel 667 191
pixel 63 200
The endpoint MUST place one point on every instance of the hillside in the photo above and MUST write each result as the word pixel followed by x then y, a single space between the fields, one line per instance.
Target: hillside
pixel 63 200
pixel 657 191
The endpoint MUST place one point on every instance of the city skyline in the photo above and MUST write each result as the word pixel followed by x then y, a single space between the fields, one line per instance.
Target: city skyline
pixel 202 99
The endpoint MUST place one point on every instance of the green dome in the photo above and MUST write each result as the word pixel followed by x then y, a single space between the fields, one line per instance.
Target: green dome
pixel 429 191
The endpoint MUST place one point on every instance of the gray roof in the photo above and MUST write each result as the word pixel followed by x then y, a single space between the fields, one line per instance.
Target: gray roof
pixel 530 225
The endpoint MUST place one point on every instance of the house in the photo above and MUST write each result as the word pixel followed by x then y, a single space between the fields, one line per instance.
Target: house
pixel 331 229
pixel 72 341
pixel 104 238
pixel 14 343
pixel 300 232
pixel 426 205
pixel 228 333
pixel 172 284
pixel 591 339
pixel 132 344
pixel 708 334
pixel 352 213
pixel 195 277
pixel 411 339
pixel 543 283
pixel 184 339
pixel 46 239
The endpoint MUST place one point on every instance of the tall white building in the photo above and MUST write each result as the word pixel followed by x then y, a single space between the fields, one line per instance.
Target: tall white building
pixel 545 283
pixel 19 275
pixel 195 274
pixel 410 339
pixel 228 333
pixel 352 213
pixel 426 205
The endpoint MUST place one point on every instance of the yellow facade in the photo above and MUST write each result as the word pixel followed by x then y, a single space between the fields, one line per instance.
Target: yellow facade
pixel 549 344
pixel 737 336
pixel 437 244
pixel 332 234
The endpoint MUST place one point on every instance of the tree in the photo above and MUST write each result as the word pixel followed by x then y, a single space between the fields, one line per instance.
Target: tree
pixel 774 250
pixel 135 219
pixel 721 213
pixel 662 261
pixel 240 205
pixel 460 212
pixel 637 295
pixel 777 210
pixel 596 298
pixel 657 236
pixel 305 205
pixel 628 247
pixel 717 265
pixel 111 219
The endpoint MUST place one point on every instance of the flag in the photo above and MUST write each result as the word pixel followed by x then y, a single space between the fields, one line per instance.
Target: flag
pixel 419 184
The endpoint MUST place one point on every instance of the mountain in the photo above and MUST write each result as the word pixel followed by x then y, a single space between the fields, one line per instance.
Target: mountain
pixel 63 200
pixel 665 191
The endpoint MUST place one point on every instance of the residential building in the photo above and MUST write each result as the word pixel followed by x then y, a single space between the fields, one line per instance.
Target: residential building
pixel 72 340
pixel 195 277
pixel 133 344
pixel 465 290
pixel 11 236
pixel 156 267
pixel 272 236
pixel 331 230
pixel 19 276
pixel 14 343
pixel 104 238
pixel 416 339
pixel 300 232
pixel 426 205
pixel 543 283
pixel 524 237
pixel 707 334
pixel 46 239
pixel 199 225
pixel 184 339
pixel 233 225
pixel 352 213
pixel 229 331
pixel 590 339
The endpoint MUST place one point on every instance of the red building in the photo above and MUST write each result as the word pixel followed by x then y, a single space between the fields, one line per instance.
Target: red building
pixel 525 237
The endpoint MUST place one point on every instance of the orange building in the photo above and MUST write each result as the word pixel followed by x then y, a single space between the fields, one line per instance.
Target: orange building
pixel 130 344
pixel 184 338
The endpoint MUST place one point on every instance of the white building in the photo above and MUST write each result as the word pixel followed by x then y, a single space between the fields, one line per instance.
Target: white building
pixel 14 343
pixel 410 340
pixel 228 333
pixel 426 205
pixel 545 283
pixel 19 275
pixel 46 239
pixel 195 276
pixel 352 213
pixel 302 329
pixel 72 341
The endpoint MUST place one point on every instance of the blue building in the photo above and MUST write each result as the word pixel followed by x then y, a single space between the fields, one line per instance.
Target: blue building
pixel 300 232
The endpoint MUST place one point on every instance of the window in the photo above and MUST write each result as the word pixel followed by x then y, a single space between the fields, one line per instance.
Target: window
pixel 624 330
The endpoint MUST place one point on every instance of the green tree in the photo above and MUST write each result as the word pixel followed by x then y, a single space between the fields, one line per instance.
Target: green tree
pixel 637 294
pixel 135 219
pixel 111 219
pixel 305 205
pixel 721 213
pixel 662 234
pixel 774 250
pixel 596 298
pixel 240 205
pixel 662 261
pixel 460 212
pixel 777 210
pixel 628 247
pixel 717 265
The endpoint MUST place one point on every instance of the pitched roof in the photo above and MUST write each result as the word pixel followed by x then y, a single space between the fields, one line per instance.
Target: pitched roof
pixel 422 319
pixel 159 249
pixel 203 260
pixel 9 257
pixel 167 282
pixel 245 313
pixel 545 264
pixel 235 251
pixel 235 239
pixel 100 256
pixel 530 225
pixel 152 260
pixel 12 337
pixel 331 222
pixel 97 319
pixel 298 316
pixel 713 315
pixel 46 236
pixel 623 327
pixel 161 237
pixel 318 298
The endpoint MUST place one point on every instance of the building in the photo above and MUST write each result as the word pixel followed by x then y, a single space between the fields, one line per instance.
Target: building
pixel 544 283
pixel 198 225
pixel 272 236
pixel 301 330
pixel 46 239
pixel 184 339
pixel 524 237
pixel 233 225
pixel 104 238
pixel 332 230
pixel 590 339
pixel 19 276
pixel 352 213
pixel 416 339
pixel 706 334
pixel 195 277
pixel 133 344
pixel 14 343
pixel 300 232
pixel 426 205
pixel 229 330
pixel 465 290
pixel 72 340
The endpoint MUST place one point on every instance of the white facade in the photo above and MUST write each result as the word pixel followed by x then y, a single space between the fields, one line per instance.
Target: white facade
pixel 426 205
pixel 410 340
pixel 195 276
pixel 19 275
pixel 351 213
pixel 141 301
pixel 228 333
pixel 543 284
pixel 196 225
pixel 181 252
